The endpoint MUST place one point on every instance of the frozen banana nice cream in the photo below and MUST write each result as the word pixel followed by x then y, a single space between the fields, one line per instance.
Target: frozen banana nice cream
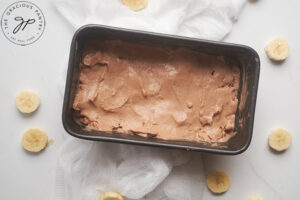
pixel 168 93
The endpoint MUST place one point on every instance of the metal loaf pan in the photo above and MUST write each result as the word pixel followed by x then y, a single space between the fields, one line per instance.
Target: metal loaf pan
pixel 244 57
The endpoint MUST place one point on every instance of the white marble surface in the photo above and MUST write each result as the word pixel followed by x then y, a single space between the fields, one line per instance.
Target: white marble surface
pixel 258 170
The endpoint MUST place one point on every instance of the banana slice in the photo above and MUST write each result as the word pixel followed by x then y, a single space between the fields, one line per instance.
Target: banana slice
pixel 218 181
pixel 280 139
pixel 34 139
pixel 278 49
pixel 109 195
pixel 256 197
pixel 135 4
pixel 27 101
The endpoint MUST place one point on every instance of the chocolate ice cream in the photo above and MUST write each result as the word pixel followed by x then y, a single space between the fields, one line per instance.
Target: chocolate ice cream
pixel 168 93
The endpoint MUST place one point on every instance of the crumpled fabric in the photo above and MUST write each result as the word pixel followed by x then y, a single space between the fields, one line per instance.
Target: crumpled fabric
pixel 181 183
pixel 85 169
pixel 206 19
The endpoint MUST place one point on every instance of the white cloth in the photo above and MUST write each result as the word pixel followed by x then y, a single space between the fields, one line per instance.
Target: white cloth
pixel 180 184
pixel 85 168
pixel 207 19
